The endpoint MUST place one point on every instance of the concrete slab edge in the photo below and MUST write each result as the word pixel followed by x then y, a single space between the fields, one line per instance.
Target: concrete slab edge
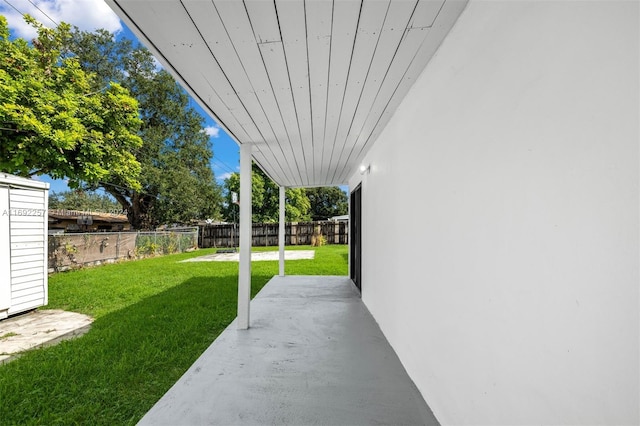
pixel 6 358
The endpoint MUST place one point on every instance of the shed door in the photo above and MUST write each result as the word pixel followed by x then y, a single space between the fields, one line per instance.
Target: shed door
pixel 28 234
pixel 5 255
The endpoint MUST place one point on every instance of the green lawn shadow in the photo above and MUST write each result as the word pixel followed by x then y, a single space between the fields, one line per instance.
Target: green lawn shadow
pixel 128 360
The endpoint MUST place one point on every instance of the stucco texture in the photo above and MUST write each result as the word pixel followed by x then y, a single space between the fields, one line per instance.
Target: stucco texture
pixel 501 222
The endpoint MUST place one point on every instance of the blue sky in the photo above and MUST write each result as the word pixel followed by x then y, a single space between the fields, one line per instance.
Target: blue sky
pixel 90 15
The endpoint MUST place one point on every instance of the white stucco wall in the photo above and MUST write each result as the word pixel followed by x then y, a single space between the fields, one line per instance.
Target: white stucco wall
pixel 501 220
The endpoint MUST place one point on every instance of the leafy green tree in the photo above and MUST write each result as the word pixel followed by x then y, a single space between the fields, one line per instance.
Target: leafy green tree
pixel 265 199
pixel 327 202
pixel 297 204
pixel 83 200
pixel 178 184
pixel 53 121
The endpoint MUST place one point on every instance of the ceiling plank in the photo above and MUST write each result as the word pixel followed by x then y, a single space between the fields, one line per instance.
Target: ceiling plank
pixel 292 19
pixel 259 95
pixel 425 14
pixel 311 84
pixel 274 61
pixel 269 164
pixel 264 20
pixel 397 71
pixel 433 37
pixel 395 23
pixel 372 19
pixel 230 18
pixel 345 23
pixel 179 48
pixel 318 17
pixel 409 47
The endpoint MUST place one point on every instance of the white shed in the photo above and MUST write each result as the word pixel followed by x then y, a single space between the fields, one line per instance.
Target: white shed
pixel 23 244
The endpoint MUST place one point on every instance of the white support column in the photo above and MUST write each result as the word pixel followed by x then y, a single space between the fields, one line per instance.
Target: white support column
pixel 281 231
pixel 244 272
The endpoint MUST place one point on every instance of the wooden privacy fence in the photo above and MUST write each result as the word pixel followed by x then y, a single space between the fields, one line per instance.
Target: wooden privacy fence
pixel 266 234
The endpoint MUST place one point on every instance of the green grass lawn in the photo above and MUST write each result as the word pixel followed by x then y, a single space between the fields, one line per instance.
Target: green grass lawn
pixel 153 318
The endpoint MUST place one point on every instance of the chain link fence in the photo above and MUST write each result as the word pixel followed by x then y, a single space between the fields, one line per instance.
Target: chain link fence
pixel 69 251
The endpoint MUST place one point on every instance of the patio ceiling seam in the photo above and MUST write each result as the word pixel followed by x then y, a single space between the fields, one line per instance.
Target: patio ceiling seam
pixel 390 63
pixel 306 43
pixel 326 108
pixel 289 178
pixel 292 179
pixel 286 61
pixel 364 83
pixel 176 73
pixel 385 115
pixel 402 38
pixel 256 146
pixel 355 37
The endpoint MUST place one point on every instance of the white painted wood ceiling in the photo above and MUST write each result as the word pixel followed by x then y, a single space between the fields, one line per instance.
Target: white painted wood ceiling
pixel 311 84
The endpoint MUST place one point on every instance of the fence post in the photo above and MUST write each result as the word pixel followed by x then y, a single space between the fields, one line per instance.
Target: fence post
pixel 294 233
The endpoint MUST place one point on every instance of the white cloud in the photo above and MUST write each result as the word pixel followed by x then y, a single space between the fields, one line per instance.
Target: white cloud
pixel 224 176
pixel 213 131
pixel 87 15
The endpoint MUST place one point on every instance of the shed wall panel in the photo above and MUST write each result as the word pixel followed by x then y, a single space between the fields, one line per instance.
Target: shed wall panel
pixel 26 252
pixel 34 231
pixel 29 258
pixel 31 288
pixel 15 267
pixel 28 239
pixel 19 276
pixel 27 283
pixel 25 304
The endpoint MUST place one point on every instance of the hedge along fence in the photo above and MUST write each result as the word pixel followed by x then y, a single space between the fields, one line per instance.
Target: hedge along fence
pixel 68 251
pixel 266 234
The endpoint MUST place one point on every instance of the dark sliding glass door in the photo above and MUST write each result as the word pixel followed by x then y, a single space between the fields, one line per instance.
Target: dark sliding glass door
pixel 355 237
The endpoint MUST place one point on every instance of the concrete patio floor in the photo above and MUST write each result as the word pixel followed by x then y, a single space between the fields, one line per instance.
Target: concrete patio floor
pixel 313 355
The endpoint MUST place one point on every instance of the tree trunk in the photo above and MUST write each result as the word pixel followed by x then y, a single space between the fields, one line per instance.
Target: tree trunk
pixel 137 206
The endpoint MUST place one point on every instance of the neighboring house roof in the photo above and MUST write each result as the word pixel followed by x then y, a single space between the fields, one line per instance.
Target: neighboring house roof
pixel 310 84
pixel 62 214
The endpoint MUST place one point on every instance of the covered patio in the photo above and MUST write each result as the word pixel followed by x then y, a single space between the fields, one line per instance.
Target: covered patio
pixel 515 148
pixel 305 88
pixel 313 355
